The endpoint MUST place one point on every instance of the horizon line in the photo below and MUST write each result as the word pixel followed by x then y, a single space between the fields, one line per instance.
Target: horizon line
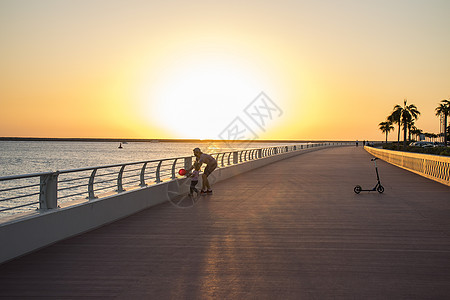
pixel 156 139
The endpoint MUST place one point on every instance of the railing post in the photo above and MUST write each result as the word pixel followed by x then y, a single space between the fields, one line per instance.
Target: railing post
pixel 259 153
pixel 158 172
pixel 173 168
pixel 48 197
pixel 229 156
pixel 119 180
pixel 142 177
pixel 221 162
pixel 91 194
pixel 235 158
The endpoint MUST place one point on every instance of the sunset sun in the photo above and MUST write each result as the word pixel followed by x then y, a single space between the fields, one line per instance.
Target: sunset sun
pixel 197 98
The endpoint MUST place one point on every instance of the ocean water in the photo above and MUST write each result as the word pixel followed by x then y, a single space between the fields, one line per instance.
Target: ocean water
pixel 25 157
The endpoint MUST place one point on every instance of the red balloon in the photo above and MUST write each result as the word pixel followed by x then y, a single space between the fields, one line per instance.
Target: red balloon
pixel 182 172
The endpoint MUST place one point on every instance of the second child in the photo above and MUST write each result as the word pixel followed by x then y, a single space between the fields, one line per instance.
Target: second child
pixel 194 179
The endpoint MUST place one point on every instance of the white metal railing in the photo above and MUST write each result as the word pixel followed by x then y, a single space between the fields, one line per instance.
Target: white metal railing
pixel 435 167
pixel 50 190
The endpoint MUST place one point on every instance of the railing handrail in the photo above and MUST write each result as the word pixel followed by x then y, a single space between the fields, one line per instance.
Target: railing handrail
pixel 435 167
pixel 22 176
pixel 86 168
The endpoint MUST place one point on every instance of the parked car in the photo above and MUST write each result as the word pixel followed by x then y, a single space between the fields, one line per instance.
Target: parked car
pixel 438 144
pixel 422 144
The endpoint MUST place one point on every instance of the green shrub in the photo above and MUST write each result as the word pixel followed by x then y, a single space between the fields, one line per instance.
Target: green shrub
pixel 445 152
pixel 425 150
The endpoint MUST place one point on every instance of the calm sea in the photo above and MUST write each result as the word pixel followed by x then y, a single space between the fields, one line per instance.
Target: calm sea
pixel 25 157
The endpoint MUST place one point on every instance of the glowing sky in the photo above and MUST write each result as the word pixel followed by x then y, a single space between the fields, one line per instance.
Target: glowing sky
pixel 186 69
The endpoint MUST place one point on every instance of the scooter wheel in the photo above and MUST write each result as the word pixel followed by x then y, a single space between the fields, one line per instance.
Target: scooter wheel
pixel 357 189
pixel 380 189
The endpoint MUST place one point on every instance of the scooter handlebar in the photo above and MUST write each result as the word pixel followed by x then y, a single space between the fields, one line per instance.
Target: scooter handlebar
pixel 373 159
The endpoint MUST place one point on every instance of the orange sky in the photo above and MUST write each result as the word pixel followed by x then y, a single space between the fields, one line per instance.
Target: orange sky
pixel 177 69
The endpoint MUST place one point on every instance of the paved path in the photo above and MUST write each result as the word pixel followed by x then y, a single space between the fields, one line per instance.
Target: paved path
pixel 290 230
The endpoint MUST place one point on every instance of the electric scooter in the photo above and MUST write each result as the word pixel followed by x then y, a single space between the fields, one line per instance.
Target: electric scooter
pixel 378 187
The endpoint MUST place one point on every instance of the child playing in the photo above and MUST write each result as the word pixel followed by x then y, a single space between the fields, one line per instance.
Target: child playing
pixel 194 179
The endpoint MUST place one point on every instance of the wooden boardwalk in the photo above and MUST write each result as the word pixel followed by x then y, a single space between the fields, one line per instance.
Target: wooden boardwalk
pixel 290 230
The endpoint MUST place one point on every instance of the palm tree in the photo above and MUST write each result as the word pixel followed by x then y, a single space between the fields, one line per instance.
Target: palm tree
pixel 448 130
pixel 411 126
pixel 416 132
pixel 408 113
pixel 444 109
pixel 434 136
pixel 385 127
pixel 430 137
pixel 395 118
